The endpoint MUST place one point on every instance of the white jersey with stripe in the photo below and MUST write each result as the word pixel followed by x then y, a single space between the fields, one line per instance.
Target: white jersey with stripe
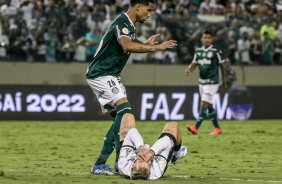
pixel 128 155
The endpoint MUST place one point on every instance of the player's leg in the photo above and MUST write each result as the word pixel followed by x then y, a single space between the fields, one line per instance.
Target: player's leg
pixel 104 95
pixel 212 113
pixel 203 109
pixel 178 151
pixel 127 123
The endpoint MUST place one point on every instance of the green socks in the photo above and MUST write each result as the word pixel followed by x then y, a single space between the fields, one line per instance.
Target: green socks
pixel 213 118
pixel 202 116
pixel 121 110
pixel 108 147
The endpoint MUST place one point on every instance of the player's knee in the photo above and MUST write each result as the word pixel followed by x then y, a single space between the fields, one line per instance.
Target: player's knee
pixel 173 124
pixel 128 120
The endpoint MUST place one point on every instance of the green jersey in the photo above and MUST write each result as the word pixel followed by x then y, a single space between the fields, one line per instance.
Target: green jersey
pixel 208 61
pixel 110 58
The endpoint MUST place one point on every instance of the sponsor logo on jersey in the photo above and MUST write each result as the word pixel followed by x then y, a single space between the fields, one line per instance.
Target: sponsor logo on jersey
pixel 204 81
pixel 125 30
pixel 204 61
pixel 210 54
pixel 115 90
pixel 162 164
pixel 204 54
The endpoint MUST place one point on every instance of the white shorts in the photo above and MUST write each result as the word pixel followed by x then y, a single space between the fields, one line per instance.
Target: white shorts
pixel 108 90
pixel 207 92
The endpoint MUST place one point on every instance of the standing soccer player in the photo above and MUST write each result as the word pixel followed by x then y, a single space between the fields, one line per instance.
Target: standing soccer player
pixel 208 58
pixel 103 72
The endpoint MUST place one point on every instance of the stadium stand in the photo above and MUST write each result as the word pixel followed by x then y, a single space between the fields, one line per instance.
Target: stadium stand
pixel 60 30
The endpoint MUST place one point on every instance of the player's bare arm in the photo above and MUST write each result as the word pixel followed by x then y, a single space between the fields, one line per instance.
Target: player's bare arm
pixel 224 79
pixel 133 47
pixel 190 68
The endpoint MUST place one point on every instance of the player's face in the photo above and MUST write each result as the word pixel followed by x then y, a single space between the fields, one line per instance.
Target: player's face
pixel 206 40
pixel 143 12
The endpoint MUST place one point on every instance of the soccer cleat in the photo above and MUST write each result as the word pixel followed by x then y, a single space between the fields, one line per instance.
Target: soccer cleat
pixel 182 153
pixel 102 169
pixel 116 166
pixel 216 131
pixel 192 129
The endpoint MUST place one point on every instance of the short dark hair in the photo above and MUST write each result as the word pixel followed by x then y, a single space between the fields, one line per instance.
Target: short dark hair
pixel 208 32
pixel 144 2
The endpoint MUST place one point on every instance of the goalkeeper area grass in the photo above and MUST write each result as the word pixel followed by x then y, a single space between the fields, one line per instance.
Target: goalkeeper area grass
pixel 64 151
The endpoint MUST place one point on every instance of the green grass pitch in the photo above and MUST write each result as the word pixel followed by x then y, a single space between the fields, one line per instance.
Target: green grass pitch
pixel 63 152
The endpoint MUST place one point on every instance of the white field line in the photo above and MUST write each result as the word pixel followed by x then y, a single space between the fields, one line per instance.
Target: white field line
pixel 233 179
pixel 180 176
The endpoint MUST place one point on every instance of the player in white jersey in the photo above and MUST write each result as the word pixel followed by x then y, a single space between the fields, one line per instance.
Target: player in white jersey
pixel 137 162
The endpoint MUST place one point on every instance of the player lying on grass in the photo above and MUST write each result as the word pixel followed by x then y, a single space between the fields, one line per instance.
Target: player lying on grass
pixel 137 162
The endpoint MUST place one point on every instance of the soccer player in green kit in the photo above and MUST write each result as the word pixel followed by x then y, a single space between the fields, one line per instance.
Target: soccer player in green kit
pixel 208 59
pixel 103 72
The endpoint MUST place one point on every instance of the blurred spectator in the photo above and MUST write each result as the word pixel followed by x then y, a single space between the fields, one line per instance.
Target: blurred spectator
pixel 244 49
pixel 8 9
pixel 266 44
pixel 234 27
pixel 247 28
pixel 255 50
pixel 93 39
pixel 237 3
pixel 69 12
pixel 231 43
pixel 259 9
pixel 205 8
pixel 40 50
pixel 218 9
pixel 269 27
pixel 80 50
pixel 279 32
pixel 66 50
pixel 51 42
pixel 26 44
pixel 20 21
pixel 15 52
pixel 79 27
pixel 26 6
pixel 231 74
pixel 73 19
pixel 4 44
pixel 277 59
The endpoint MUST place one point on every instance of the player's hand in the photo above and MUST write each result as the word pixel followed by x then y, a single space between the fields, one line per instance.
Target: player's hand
pixel 151 40
pixel 142 151
pixel 187 71
pixel 168 44
pixel 150 155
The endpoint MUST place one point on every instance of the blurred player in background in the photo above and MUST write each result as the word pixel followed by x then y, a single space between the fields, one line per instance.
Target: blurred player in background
pixel 103 72
pixel 136 162
pixel 207 58
pixel 230 74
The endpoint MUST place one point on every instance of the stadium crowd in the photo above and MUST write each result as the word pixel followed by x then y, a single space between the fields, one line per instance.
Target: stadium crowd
pixel 249 32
